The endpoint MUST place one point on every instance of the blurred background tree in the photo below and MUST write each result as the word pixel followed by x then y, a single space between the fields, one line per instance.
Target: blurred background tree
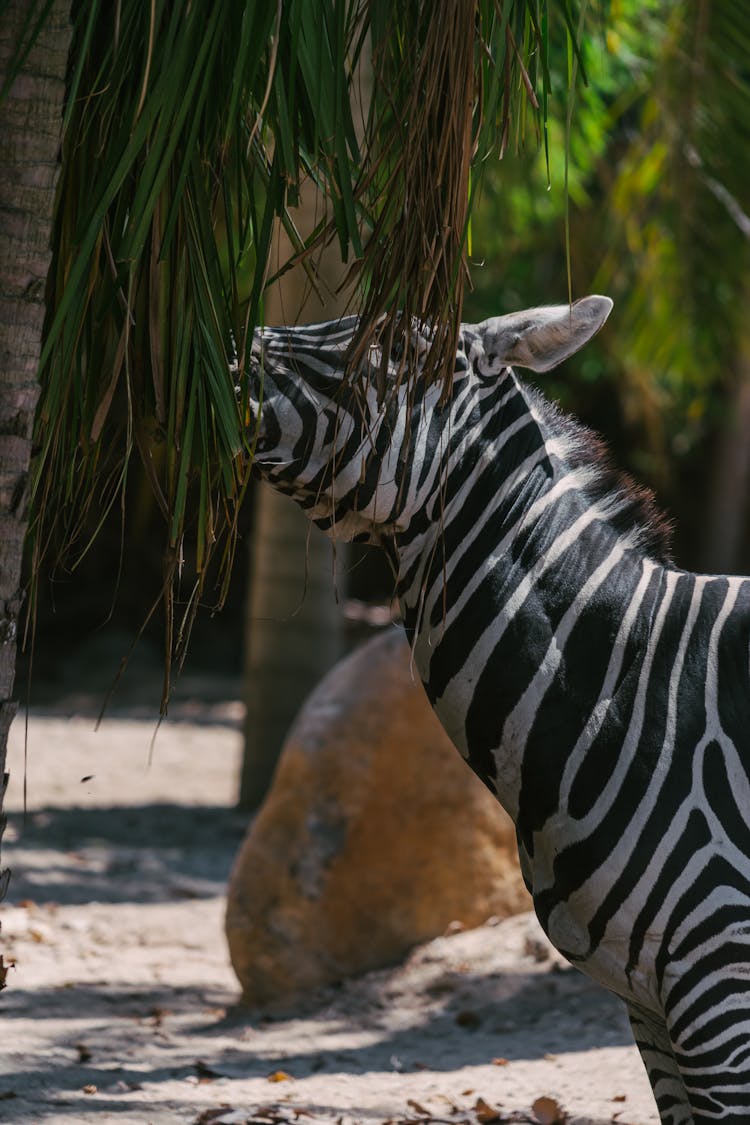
pixel 649 190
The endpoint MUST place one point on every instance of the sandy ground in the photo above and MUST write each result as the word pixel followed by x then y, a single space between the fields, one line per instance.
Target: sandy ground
pixel 121 1004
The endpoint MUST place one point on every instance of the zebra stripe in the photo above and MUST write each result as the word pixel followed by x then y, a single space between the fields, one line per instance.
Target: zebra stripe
pixel 600 692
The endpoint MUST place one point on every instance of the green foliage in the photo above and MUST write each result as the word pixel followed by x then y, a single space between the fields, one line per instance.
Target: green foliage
pixel 677 250
pixel 658 198
pixel 525 201
pixel 188 127
pixel 682 197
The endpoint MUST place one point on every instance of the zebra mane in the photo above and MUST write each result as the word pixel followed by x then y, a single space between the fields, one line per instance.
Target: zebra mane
pixel 636 507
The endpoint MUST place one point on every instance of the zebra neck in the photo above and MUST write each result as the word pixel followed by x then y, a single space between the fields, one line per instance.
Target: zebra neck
pixel 514 608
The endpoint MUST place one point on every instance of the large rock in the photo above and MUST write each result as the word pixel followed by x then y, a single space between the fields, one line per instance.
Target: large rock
pixel 375 836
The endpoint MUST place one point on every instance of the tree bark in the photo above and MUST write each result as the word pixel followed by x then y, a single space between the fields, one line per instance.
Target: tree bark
pixel 726 516
pixel 294 631
pixel 30 125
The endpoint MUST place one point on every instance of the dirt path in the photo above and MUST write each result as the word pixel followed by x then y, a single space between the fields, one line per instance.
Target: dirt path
pixel 121 1004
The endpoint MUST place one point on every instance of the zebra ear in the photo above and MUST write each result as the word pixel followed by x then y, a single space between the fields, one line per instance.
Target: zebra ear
pixel 541 338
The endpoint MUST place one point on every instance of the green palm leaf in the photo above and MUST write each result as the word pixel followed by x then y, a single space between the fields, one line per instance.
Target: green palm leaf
pixel 187 128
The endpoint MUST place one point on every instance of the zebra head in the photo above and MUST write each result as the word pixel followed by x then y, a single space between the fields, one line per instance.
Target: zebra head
pixel 359 461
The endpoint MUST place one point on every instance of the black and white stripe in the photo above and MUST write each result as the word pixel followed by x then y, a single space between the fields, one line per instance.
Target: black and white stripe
pixel 600 692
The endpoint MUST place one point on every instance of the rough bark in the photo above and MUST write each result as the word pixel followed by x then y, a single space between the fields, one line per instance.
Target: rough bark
pixel 726 516
pixel 30 123
pixel 294 630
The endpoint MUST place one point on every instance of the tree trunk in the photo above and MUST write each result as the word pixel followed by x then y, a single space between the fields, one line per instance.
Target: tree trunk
pixel 294 631
pixel 726 517
pixel 30 120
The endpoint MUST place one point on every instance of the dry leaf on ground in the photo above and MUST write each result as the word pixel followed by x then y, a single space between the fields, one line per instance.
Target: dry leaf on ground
pixel 547 1111
pixel 486 1114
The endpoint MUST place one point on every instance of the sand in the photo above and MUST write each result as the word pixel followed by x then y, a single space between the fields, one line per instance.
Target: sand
pixel 121 1004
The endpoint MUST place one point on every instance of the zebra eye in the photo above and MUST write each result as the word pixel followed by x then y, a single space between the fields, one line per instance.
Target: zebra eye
pixel 488 364
pixel 254 424
pixel 263 432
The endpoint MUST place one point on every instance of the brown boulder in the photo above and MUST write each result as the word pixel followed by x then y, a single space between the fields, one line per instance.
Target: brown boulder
pixel 375 836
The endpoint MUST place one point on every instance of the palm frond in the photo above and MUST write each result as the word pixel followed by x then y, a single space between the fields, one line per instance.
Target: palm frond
pixel 187 128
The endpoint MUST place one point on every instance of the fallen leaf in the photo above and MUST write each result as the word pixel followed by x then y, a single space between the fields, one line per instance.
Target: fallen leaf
pixel 88 777
pixel 485 1113
pixel 419 1108
pixel 90 1089
pixel 4 972
pixel 221 1115
pixel 280 1076
pixel 499 1062
pixel 547 1111
pixel 156 1016
pixel 468 1019
pixel 620 1098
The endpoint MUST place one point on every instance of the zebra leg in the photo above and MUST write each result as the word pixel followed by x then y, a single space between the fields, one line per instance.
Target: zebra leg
pixel 652 1040
pixel 711 1044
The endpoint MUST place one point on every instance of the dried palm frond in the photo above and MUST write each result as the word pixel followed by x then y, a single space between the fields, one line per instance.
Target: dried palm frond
pixel 450 86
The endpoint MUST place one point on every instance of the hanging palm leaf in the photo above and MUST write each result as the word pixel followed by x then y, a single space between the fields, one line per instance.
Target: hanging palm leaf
pixel 188 126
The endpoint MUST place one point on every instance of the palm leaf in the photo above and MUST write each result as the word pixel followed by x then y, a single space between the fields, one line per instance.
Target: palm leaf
pixel 187 128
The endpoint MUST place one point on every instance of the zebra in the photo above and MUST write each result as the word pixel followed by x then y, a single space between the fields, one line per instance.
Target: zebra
pixel 599 691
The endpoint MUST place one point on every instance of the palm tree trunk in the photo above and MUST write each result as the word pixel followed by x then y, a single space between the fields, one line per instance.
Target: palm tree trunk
pixel 294 631
pixel 30 119
pixel 725 529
